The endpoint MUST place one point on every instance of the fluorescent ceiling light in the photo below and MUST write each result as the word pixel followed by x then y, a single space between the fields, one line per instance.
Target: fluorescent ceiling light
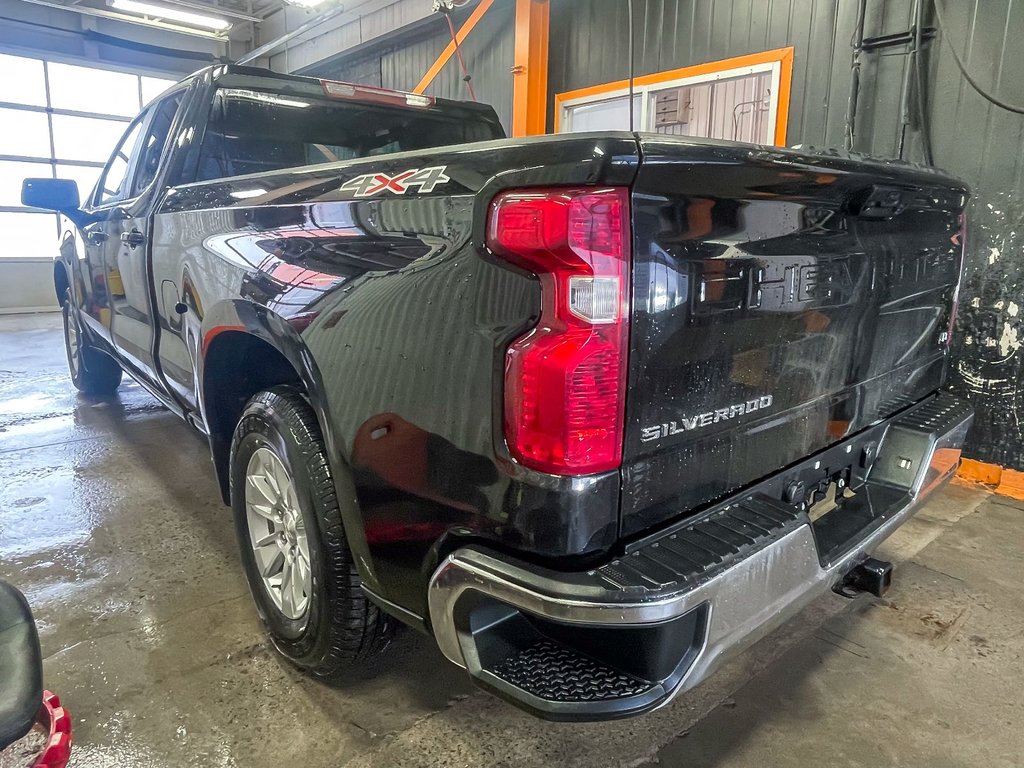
pixel 306 3
pixel 171 14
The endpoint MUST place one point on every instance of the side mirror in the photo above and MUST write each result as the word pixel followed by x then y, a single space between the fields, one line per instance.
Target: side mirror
pixel 59 195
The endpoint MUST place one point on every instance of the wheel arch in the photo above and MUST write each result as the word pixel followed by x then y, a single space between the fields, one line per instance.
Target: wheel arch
pixel 61 281
pixel 246 348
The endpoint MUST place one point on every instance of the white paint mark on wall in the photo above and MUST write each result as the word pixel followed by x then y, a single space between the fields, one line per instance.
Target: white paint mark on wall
pixel 1008 341
pixel 978 383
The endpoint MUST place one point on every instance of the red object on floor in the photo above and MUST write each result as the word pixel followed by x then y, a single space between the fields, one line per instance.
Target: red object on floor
pixel 52 715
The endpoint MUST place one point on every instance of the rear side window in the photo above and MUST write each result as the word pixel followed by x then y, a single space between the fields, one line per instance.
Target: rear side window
pixel 154 140
pixel 255 132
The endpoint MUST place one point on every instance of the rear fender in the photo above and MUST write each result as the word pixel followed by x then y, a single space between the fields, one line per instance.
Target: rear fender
pixel 258 321
pixel 61 281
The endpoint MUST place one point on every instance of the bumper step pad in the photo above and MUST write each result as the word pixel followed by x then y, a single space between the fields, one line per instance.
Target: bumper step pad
pixel 553 672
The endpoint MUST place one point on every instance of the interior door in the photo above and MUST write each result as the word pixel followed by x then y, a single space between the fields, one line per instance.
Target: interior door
pixel 127 242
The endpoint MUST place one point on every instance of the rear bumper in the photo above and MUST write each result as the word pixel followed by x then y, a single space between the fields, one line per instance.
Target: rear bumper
pixel 626 637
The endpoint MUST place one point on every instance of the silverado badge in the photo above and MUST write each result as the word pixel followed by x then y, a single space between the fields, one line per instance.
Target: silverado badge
pixel 690 423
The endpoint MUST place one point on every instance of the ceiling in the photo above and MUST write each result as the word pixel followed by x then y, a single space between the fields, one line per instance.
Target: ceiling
pixel 236 17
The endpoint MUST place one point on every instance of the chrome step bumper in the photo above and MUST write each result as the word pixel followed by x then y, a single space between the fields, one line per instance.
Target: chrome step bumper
pixel 626 637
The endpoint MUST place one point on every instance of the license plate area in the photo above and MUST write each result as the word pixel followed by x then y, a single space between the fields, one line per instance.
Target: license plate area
pixel 835 492
pixel 844 524
pixel 840 503
pixel 834 497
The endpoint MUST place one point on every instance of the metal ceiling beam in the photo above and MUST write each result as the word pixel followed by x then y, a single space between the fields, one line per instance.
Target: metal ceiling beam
pixel 140 20
pixel 269 47
pixel 216 9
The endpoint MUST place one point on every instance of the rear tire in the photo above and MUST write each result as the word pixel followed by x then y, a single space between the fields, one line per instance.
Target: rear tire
pixel 93 372
pixel 282 494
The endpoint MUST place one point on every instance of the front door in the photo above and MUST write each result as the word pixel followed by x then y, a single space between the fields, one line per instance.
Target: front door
pixel 102 287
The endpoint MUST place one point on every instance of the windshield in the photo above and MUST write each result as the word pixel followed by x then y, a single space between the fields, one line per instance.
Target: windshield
pixel 253 131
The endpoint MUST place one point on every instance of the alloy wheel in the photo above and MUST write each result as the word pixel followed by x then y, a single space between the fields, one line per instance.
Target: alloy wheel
pixel 277 534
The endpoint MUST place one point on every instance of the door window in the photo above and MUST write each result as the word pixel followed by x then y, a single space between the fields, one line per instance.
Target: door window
pixel 113 183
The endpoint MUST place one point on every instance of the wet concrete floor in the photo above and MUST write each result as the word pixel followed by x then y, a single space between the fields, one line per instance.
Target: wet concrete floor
pixel 111 523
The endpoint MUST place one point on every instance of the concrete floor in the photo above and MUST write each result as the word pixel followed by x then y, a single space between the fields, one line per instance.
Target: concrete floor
pixel 111 524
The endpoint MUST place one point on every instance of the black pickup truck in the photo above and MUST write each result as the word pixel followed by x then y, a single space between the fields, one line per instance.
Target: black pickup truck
pixel 594 410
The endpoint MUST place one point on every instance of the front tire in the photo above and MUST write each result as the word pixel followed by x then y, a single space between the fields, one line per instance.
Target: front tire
pixel 300 570
pixel 93 372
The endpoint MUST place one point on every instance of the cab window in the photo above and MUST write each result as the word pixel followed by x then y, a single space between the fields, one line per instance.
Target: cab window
pixel 255 131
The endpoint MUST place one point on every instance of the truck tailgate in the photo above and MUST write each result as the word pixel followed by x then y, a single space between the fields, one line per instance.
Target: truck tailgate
pixel 781 301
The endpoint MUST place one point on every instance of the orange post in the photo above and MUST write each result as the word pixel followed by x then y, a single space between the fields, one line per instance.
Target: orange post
pixel 530 68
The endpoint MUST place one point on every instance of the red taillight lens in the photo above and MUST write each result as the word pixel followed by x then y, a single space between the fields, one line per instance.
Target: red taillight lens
pixel 565 380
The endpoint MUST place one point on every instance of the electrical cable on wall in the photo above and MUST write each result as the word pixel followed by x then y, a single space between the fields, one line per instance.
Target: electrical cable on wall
pixel 963 68
pixel 629 12
pixel 856 44
pixel 466 77
pixel 922 116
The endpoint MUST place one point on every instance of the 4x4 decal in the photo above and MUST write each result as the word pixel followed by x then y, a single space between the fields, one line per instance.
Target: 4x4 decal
pixel 370 184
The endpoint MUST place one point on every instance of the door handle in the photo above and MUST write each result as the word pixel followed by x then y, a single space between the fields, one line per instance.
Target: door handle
pixel 133 239
pixel 95 237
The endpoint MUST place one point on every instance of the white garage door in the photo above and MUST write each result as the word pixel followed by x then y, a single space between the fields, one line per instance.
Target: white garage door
pixel 61 120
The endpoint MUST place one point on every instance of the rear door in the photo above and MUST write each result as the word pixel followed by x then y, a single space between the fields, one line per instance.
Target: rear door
pixel 781 302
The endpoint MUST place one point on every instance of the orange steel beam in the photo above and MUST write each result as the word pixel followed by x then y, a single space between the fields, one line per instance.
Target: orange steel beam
pixel 449 50
pixel 530 68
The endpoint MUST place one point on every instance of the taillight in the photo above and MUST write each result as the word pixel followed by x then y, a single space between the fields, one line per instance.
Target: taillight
pixel 565 379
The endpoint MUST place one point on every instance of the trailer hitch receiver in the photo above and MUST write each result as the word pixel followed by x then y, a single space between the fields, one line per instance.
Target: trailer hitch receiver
pixel 869 575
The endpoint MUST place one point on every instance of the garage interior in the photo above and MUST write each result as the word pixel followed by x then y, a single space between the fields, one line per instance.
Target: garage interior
pixel 111 518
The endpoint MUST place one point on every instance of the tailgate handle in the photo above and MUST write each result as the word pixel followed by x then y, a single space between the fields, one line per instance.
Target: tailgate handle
pixel 879 202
